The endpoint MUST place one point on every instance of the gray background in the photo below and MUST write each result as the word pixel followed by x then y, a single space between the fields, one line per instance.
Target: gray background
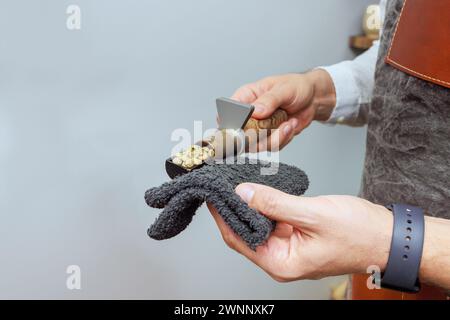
pixel 85 124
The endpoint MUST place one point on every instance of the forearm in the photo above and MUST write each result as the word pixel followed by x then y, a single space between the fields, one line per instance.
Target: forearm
pixel 435 265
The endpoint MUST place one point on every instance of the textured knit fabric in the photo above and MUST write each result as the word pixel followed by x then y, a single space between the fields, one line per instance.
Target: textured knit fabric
pixel 215 184
pixel 408 148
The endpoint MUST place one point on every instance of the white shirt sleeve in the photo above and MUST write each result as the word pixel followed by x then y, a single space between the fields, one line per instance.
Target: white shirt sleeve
pixel 354 82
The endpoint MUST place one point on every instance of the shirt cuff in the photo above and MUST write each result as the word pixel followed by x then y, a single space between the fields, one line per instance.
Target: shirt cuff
pixel 347 92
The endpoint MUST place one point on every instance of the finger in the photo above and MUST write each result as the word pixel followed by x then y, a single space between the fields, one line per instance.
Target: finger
pixel 280 137
pixel 250 92
pixel 283 230
pixel 285 143
pixel 270 101
pixel 284 135
pixel 277 205
pixel 246 94
pixel 230 238
pixel 298 125
pixel 305 117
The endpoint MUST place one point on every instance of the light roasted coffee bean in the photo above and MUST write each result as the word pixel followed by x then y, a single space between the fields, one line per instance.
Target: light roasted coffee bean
pixel 193 156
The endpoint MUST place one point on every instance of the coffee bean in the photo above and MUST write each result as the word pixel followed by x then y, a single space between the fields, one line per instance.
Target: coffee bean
pixel 193 156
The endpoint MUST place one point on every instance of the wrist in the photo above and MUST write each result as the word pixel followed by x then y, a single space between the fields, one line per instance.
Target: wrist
pixel 324 97
pixel 436 233
pixel 428 247
pixel 377 246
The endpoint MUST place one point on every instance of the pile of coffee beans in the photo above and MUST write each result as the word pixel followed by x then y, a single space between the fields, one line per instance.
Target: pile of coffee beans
pixel 193 156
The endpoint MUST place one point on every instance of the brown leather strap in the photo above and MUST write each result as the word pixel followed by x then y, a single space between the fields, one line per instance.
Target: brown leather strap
pixel 360 291
pixel 421 41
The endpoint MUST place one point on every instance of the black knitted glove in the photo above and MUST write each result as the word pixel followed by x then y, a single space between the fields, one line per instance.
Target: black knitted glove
pixel 215 184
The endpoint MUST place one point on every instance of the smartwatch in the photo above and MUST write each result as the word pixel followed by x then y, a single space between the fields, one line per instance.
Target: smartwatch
pixel 402 269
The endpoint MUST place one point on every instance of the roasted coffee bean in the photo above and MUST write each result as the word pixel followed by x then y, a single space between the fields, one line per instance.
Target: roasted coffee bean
pixel 193 156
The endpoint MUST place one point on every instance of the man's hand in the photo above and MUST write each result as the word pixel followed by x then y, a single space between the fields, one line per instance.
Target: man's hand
pixel 315 237
pixel 305 97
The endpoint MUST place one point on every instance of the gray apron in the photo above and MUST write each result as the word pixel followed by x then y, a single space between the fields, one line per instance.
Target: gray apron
pixel 408 137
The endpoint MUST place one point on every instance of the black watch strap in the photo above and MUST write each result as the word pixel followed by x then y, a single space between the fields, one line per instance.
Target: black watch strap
pixel 403 265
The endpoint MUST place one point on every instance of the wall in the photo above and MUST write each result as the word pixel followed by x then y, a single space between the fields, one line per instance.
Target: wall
pixel 85 124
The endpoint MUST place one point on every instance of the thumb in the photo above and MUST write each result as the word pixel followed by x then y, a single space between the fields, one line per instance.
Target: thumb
pixel 276 205
pixel 268 102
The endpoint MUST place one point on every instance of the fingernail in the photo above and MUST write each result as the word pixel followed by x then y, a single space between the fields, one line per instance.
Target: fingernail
pixel 258 108
pixel 287 129
pixel 294 123
pixel 246 192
